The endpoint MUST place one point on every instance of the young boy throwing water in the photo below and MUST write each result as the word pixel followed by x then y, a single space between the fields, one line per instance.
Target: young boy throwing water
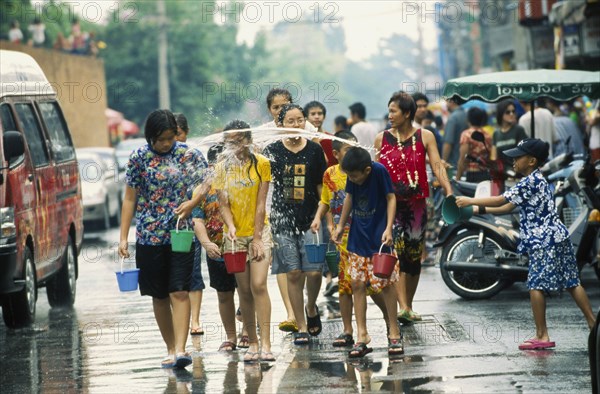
pixel 552 263
pixel 370 198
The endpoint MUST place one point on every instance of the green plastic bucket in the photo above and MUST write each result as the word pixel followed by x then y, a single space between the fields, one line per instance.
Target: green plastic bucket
pixel 332 257
pixel 452 213
pixel 181 240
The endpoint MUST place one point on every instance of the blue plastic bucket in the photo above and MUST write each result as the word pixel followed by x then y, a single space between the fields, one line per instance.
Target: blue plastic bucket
pixel 128 279
pixel 315 253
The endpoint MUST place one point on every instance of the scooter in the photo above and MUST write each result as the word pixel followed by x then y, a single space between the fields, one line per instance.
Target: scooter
pixel 478 258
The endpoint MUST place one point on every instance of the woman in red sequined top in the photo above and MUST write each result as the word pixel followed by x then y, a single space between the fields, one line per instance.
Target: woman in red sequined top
pixel 404 151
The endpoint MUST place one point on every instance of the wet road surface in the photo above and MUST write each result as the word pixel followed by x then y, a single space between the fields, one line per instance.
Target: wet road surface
pixel 109 343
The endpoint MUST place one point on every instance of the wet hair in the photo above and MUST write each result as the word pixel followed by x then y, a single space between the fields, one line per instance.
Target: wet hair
pixel 405 102
pixel 501 108
pixel 182 122
pixel 314 104
pixel 341 120
pixel 278 92
pixel 345 135
pixel 477 117
pixel 240 125
pixel 213 153
pixel 420 96
pixel 287 108
pixel 359 110
pixel 159 121
pixel 356 159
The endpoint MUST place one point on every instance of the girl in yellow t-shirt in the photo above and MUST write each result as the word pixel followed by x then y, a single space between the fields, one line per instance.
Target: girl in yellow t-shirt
pixel 242 182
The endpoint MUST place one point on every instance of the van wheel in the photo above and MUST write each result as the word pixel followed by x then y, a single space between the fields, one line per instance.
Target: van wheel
pixel 116 220
pixel 62 287
pixel 18 309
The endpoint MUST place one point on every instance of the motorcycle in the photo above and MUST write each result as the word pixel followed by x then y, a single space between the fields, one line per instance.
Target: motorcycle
pixel 478 258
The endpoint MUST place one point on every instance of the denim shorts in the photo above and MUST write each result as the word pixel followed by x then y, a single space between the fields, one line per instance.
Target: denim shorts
pixel 197 282
pixel 289 253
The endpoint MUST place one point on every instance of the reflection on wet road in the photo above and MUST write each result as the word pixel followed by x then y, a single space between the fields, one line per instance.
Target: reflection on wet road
pixel 109 343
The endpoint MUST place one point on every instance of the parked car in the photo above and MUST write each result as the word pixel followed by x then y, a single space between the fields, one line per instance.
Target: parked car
pixel 124 149
pixel 100 190
pixel 109 155
pixel 40 193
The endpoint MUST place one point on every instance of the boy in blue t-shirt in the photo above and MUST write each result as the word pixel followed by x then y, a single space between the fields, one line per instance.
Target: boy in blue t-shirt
pixel 371 199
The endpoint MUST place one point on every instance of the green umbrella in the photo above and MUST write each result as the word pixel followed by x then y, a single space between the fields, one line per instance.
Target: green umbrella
pixel 526 85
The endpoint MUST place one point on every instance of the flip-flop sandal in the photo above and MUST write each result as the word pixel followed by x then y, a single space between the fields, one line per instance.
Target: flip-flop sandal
pixel 227 346
pixel 536 344
pixel 182 360
pixel 314 323
pixel 359 350
pixel 343 340
pixel 251 357
pixel 301 338
pixel 266 356
pixel 395 347
pixel 196 331
pixel 168 362
pixel 288 326
pixel 244 342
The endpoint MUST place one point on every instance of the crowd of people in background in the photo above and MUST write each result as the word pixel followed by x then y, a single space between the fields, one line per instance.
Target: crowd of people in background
pixel 361 191
pixel 76 42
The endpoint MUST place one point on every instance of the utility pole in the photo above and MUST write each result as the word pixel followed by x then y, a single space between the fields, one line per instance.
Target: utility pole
pixel 421 54
pixel 164 98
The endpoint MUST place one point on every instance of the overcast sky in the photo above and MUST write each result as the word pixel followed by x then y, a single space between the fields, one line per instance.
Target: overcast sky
pixel 365 22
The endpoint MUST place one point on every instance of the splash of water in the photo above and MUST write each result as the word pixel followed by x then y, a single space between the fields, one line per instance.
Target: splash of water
pixel 263 136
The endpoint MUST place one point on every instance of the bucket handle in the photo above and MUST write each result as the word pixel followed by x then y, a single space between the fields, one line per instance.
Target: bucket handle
pixel 232 247
pixel 328 246
pixel 391 249
pixel 122 260
pixel 177 225
pixel 316 235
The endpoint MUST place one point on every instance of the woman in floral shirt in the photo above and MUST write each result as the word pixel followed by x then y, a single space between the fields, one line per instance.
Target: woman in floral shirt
pixel 552 263
pixel 159 176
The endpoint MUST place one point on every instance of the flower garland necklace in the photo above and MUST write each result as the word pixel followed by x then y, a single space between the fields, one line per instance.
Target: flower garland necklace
pixel 411 183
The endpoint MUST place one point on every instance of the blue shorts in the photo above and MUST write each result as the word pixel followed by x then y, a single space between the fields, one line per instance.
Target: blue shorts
pixel 197 283
pixel 289 253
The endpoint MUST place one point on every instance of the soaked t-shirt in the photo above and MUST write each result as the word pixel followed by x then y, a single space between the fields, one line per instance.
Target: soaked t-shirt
pixel 163 181
pixel 334 192
pixel 209 211
pixel 295 177
pixel 369 211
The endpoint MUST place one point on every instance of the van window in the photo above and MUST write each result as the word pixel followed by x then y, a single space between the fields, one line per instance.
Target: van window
pixel 8 124
pixel 6 117
pixel 33 134
pixel 61 145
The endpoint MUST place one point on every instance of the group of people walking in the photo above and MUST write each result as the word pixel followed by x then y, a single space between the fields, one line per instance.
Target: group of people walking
pixel 270 204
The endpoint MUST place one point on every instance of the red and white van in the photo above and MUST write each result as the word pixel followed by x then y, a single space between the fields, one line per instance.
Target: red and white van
pixel 41 228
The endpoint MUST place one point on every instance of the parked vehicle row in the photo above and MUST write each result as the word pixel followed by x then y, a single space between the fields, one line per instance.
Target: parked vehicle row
pixel 40 193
